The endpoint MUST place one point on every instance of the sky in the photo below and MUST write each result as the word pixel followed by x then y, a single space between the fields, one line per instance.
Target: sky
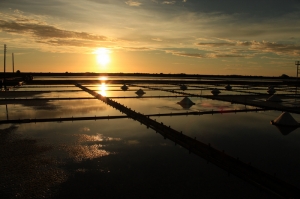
pixel 258 37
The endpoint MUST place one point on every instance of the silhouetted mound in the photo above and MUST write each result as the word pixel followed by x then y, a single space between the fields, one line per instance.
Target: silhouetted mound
pixel 228 87
pixel 186 103
pixel 285 119
pixel 271 90
pixel 274 98
pixel 215 91
pixel 183 87
pixel 124 87
pixel 140 92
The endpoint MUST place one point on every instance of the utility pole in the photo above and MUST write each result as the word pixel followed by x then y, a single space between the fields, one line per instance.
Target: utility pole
pixel 4 58
pixel 13 62
pixel 4 79
pixel 297 63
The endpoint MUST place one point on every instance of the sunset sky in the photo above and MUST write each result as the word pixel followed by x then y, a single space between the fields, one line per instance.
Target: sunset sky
pixel 258 37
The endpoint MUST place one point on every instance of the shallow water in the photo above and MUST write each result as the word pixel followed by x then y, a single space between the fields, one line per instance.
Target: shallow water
pixel 121 158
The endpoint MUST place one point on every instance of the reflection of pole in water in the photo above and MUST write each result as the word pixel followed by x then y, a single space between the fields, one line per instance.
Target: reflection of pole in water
pixel 4 58
pixel 6 112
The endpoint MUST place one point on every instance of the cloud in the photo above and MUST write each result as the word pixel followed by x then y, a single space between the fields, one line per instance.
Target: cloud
pixel 276 58
pixel 133 3
pixel 224 55
pixel 69 42
pixel 277 48
pixel 244 43
pixel 259 47
pixel 224 44
pixel 208 55
pixel 46 31
pixel 196 55
pixel 26 31
pixel 137 48
pixel 184 54
pixel 156 39
pixel 216 44
pixel 169 2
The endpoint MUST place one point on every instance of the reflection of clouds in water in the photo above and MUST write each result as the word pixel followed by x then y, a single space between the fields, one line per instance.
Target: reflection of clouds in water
pixel 61 109
pixel 85 129
pixel 94 138
pixel 213 105
pixel 88 138
pixel 216 104
pixel 112 139
pixel 200 104
pixel 132 142
pixel 82 106
pixel 23 94
pixel 79 152
pixel 88 147
pixel 169 108
pixel 35 104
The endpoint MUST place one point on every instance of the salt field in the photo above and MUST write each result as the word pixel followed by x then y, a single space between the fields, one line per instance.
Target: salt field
pixel 107 153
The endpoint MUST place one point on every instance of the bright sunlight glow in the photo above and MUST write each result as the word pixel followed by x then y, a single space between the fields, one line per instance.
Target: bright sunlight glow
pixel 102 89
pixel 103 57
pixel 102 78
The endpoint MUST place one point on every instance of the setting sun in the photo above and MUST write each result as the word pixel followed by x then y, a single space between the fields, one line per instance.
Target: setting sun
pixel 102 56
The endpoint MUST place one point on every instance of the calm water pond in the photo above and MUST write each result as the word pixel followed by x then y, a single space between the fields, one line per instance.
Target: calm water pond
pixel 120 158
pixel 123 159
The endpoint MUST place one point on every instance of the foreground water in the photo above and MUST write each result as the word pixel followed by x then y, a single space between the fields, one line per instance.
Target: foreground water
pixel 121 158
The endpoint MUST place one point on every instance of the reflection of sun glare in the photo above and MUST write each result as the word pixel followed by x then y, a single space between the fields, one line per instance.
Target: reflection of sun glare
pixel 103 57
pixel 103 78
pixel 102 89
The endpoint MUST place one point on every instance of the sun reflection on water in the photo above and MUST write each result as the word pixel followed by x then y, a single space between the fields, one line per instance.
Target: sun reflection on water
pixel 102 89
pixel 81 152
pixel 88 147
pixel 94 138
pixel 102 78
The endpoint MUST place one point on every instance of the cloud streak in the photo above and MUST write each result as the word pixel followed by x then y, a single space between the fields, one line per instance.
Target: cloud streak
pixel 277 48
pixel 169 2
pixel 133 3
pixel 206 55
pixel 263 46
pixel 46 31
